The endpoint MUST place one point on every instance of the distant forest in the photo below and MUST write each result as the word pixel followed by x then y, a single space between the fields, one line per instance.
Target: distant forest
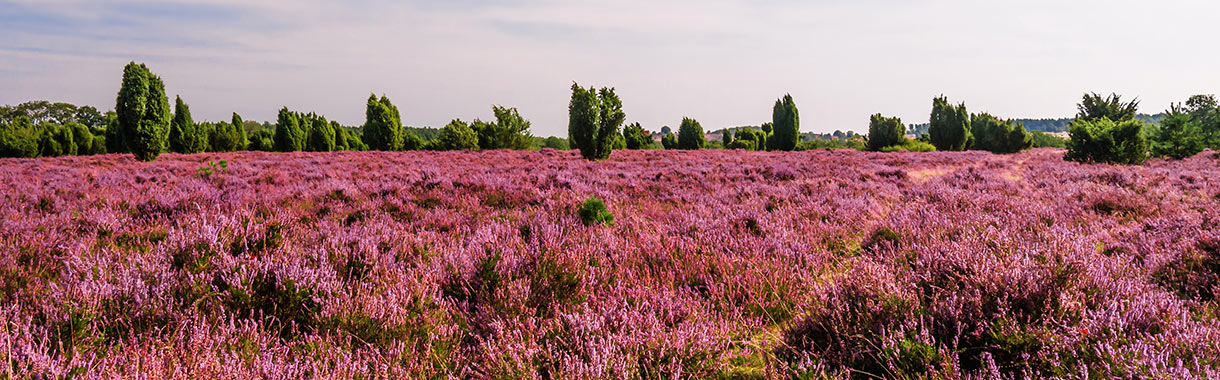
pixel 1044 125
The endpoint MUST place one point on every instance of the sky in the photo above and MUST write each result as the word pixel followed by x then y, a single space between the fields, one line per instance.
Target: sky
pixel 723 63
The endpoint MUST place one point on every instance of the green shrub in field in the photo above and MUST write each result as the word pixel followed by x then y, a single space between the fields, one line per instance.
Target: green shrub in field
pixel 1107 141
pixel 594 211
pixel 949 128
pixel 998 136
pixel 19 139
pixel 1178 136
pixel 1046 140
pixel 910 146
pixel 884 132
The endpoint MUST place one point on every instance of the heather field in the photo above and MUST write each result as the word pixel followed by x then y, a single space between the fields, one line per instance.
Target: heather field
pixel 718 264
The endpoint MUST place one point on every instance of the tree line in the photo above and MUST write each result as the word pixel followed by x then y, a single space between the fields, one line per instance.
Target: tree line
pixel 1106 129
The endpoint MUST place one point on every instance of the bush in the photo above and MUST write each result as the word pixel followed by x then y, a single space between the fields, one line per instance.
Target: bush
pixel 1178 137
pixel 742 144
pixel 19 139
pixel 594 211
pixel 510 131
pixel 456 136
pixel 1107 141
pixel 556 143
pixel 287 309
pixel 56 140
pixel 949 128
pixel 910 146
pixel 669 141
pixel 1046 140
pixel 690 135
pixel 998 136
pixel 635 137
pixel 884 132
pixel 594 117
pixel 382 125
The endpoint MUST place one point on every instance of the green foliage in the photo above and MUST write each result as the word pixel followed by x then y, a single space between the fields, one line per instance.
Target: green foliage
pixel 635 137
pixel 55 141
pixel 742 144
pixel 1093 107
pixel 114 135
pixel 1107 141
pixel 593 211
pixel 321 134
pixel 856 143
pixel 669 141
pixel 690 135
pixel 1046 140
pixel 726 138
pixel 1179 135
pixel 510 131
pixel 618 142
pixel 787 125
pixel 748 139
pixel 182 129
pixel 594 117
pixel 410 141
pixel 143 112
pixel 81 137
pixel 285 308
pixel 262 140
pixel 556 143
pixel 220 137
pixel 998 136
pixel 884 132
pixel 1205 110
pixel 240 129
pixel 382 125
pixel 456 136
pixel 949 126
pixel 289 136
pixel 909 145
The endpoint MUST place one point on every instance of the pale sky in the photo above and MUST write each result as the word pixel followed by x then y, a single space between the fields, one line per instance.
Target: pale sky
pixel 721 62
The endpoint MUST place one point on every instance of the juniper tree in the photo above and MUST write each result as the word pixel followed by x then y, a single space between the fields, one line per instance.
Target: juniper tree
pixel 949 127
pixel 143 112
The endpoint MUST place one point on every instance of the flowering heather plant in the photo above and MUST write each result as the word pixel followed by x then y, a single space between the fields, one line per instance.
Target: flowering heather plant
pixel 719 264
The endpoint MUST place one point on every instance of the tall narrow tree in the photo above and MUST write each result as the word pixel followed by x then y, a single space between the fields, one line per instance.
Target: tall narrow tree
pixel 949 128
pixel 382 125
pixel 786 123
pixel 240 126
pixel 143 112
pixel 182 128
pixel 289 137
pixel 594 118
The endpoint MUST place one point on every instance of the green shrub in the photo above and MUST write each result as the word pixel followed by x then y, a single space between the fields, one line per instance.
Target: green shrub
pixel 285 308
pixel 593 211
pixel 884 132
pixel 456 136
pixel 1046 140
pixel 910 146
pixel 690 135
pixel 1107 141
pixel 19 139
pixel 998 136
pixel 1178 136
